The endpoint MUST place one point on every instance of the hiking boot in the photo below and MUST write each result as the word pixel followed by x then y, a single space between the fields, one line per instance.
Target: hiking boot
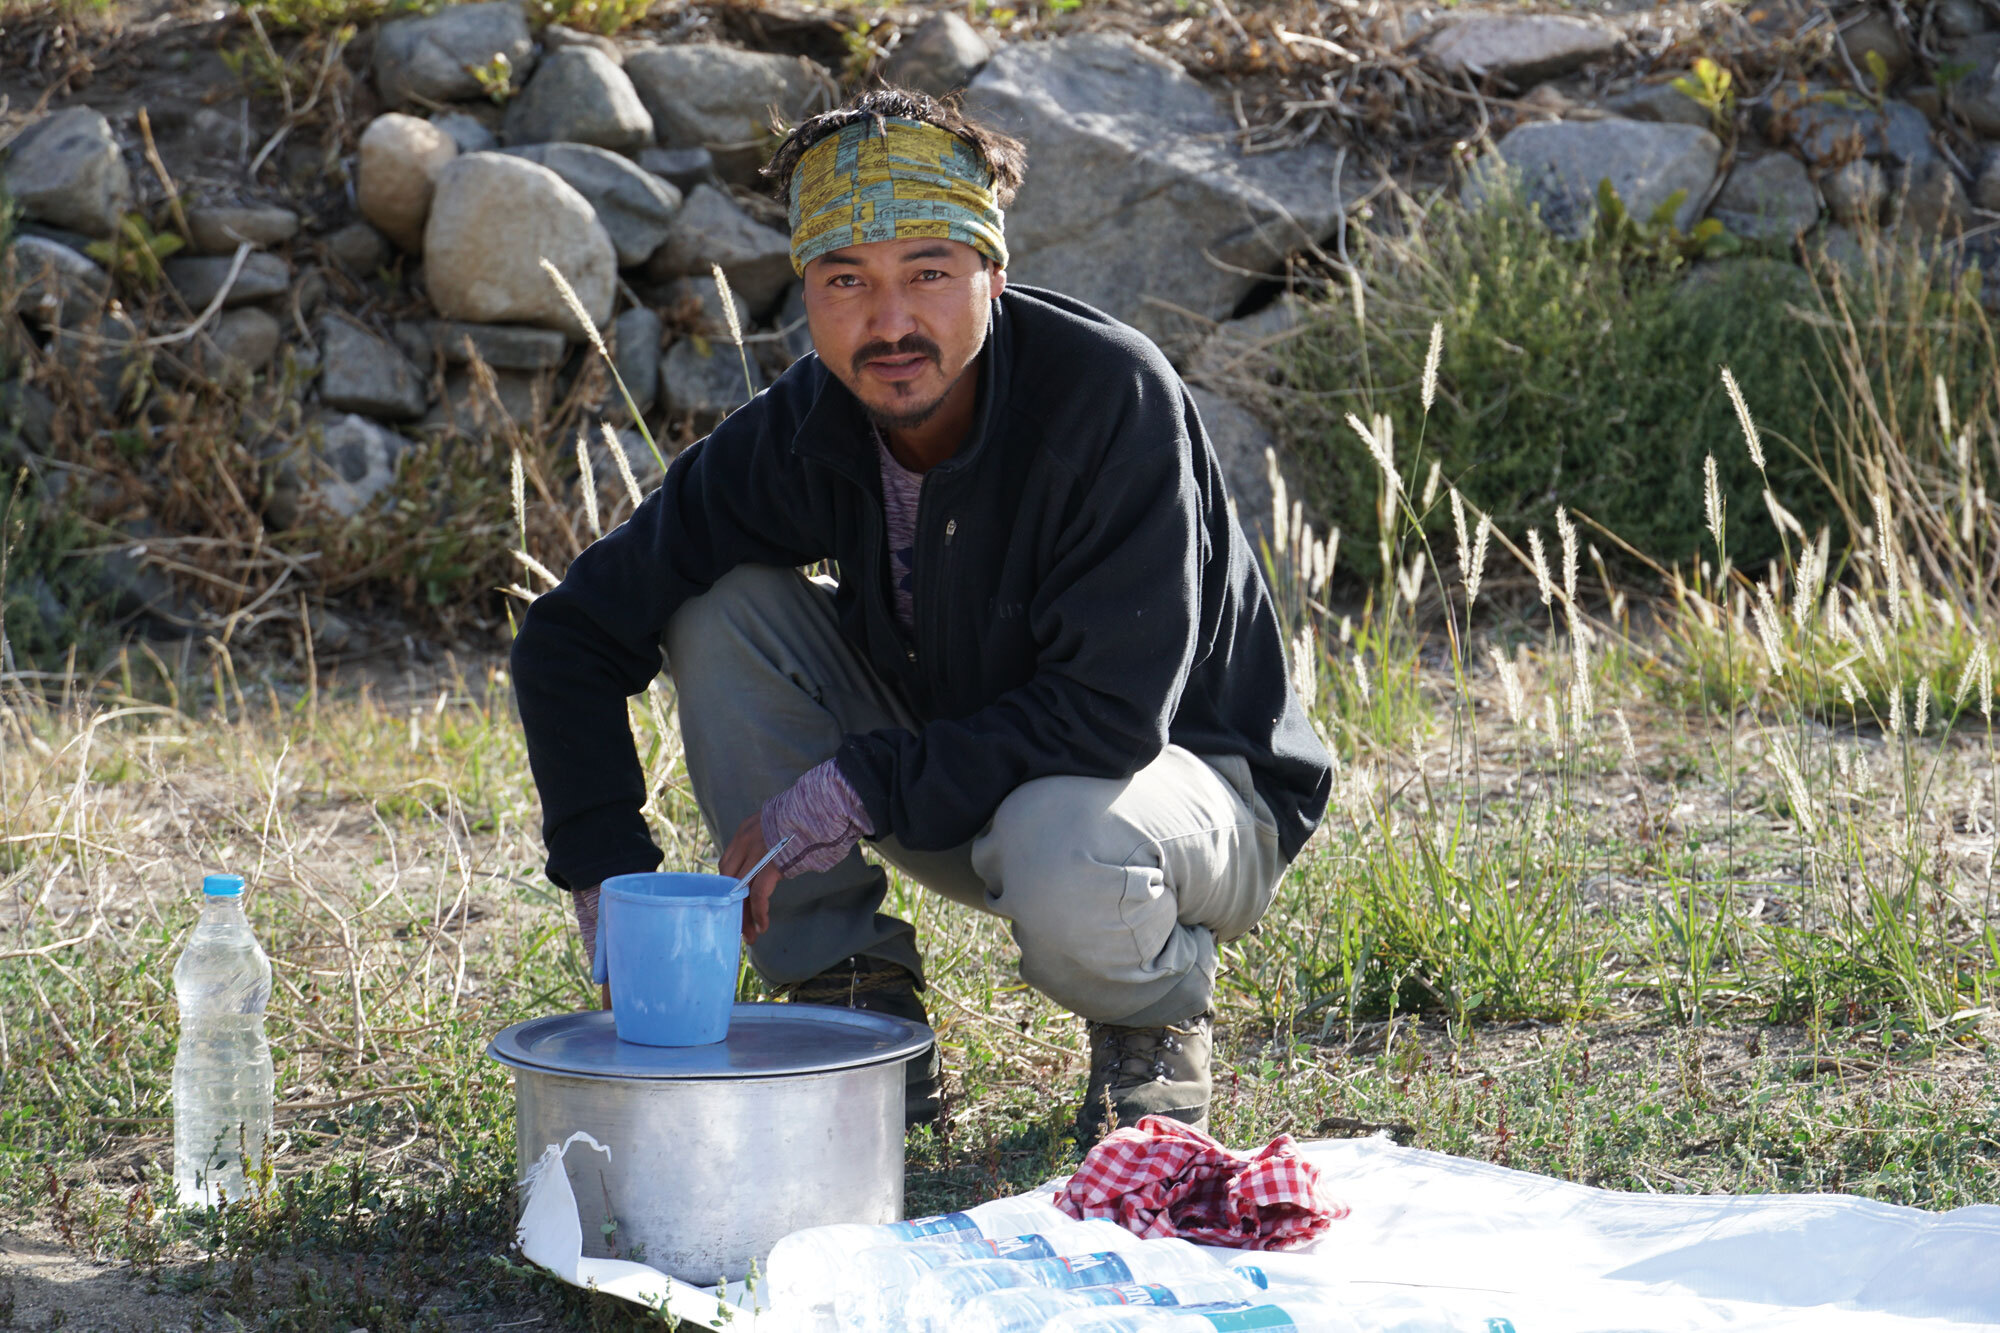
pixel 1146 1071
pixel 880 987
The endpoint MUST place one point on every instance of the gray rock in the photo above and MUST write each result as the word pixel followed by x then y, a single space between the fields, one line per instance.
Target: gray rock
pixel 396 175
pixel 1244 346
pixel 1827 131
pixel 1767 198
pixel 704 388
pixel 331 633
pixel 1241 442
pixel 1561 164
pixel 1976 97
pixel 1855 191
pixel 356 462
pixel 1660 102
pixel 217 135
pixel 635 350
pixel 636 207
pixel 430 59
pixel 944 54
pixel 360 372
pixel 493 220
pixel 56 282
pixel 66 170
pixel 1166 182
pixel 501 346
pixel 239 343
pixel 522 398
pixel 1522 49
pixel 1858 251
pixel 695 305
pixel 311 291
pixel 556 37
pixel 1959 18
pixel 720 98
pixel 683 168
pixel 198 278
pixel 359 249
pixel 1934 200
pixel 138 589
pixel 27 420
pixel 1875 33
pixel 217 230
pixel 710 228
pixel 468 132
pixel 579 95
pixel 1986 189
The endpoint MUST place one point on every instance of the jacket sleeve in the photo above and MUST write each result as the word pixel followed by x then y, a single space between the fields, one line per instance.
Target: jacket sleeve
pixel 1117 619
pixel 592 642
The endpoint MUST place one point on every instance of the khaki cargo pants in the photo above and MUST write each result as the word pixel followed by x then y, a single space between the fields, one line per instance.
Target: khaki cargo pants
pixel 1117 890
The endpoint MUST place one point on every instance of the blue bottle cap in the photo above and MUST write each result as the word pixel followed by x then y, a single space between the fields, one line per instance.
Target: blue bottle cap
pixel 223 886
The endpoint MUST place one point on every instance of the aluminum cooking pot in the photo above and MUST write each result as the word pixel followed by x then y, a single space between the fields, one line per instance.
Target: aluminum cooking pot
pixel 718 1151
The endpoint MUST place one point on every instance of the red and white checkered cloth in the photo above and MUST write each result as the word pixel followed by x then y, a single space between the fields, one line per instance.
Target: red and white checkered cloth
pixel 1163 1178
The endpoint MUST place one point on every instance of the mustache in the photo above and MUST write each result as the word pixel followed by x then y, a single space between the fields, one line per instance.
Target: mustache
pixel 913 345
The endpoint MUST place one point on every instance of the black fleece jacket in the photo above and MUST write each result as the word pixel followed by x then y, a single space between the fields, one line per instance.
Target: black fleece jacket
pixel 1083 596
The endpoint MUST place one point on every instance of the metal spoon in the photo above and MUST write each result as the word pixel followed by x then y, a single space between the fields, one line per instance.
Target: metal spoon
pixel 751 873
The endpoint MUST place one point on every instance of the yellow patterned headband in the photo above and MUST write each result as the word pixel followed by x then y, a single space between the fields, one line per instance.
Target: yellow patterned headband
pixel 857 185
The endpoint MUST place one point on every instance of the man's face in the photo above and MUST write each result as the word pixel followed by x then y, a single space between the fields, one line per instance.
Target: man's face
pixel 898 322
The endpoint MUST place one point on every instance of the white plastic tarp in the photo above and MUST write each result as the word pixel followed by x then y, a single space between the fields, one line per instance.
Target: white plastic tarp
pixel 1434 1242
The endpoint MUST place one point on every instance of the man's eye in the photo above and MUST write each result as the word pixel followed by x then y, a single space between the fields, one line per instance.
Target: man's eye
pixel 932 273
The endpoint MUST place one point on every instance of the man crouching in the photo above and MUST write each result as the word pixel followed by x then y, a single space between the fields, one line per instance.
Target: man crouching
pixel 1048 682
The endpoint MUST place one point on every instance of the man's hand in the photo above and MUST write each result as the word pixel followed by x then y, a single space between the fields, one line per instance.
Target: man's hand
pixel 746 849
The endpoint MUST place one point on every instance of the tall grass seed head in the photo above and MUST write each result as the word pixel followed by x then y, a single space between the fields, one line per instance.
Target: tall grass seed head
pixel 1361 679
pixel 586 482
pixel 1968 676
pixel 1923 717
pixel 1380 449
pixel 1711 500
pixel 1431 359
pixel 1458 527
pixel 1896 710
pixel 728 302
pixel 1510 683
pixel 517 488
pixel 576 310
pixel 624 464
pixel 1765 613
pixel 1431 483
pixel 1943 406
pixel 1566 532
pixel 1478 568
pixel 1625 742
pixel 1743 418
pixel 1540 560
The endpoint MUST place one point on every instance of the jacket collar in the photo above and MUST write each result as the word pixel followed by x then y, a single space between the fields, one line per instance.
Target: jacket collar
pixel 835 429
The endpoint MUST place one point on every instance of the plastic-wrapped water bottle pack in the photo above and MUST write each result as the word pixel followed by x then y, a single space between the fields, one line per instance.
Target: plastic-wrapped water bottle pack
pixel 1022 1266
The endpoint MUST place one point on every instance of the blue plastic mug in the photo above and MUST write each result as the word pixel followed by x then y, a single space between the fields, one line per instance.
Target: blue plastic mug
pixel 668 945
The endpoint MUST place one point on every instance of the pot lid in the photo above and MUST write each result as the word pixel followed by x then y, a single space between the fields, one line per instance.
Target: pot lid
pixel 764 1041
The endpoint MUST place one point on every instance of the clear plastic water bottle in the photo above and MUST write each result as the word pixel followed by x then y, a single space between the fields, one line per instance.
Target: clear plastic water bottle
pixel 1027 1309
pixel 1288 1315
pixel 938 1296
pixel 801 1270
pixel 224 1084
pixel 873 1289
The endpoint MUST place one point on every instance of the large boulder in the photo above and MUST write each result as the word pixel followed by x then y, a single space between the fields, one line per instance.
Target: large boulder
pixel 65 170
pixel 53 282
pixel 635 206
pixel 431 59
pixel 944 54
pixel 397 173
pixel 493 220
pixel 1135 175
pixel 711 228
pixel 360 372
pixel 579 95
pixel 1521 49
pixel 721 99
pixel 1561 164
pixel 1767 198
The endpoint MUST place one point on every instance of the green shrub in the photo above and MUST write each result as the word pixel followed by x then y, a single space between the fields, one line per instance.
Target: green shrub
pixel 1584 373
